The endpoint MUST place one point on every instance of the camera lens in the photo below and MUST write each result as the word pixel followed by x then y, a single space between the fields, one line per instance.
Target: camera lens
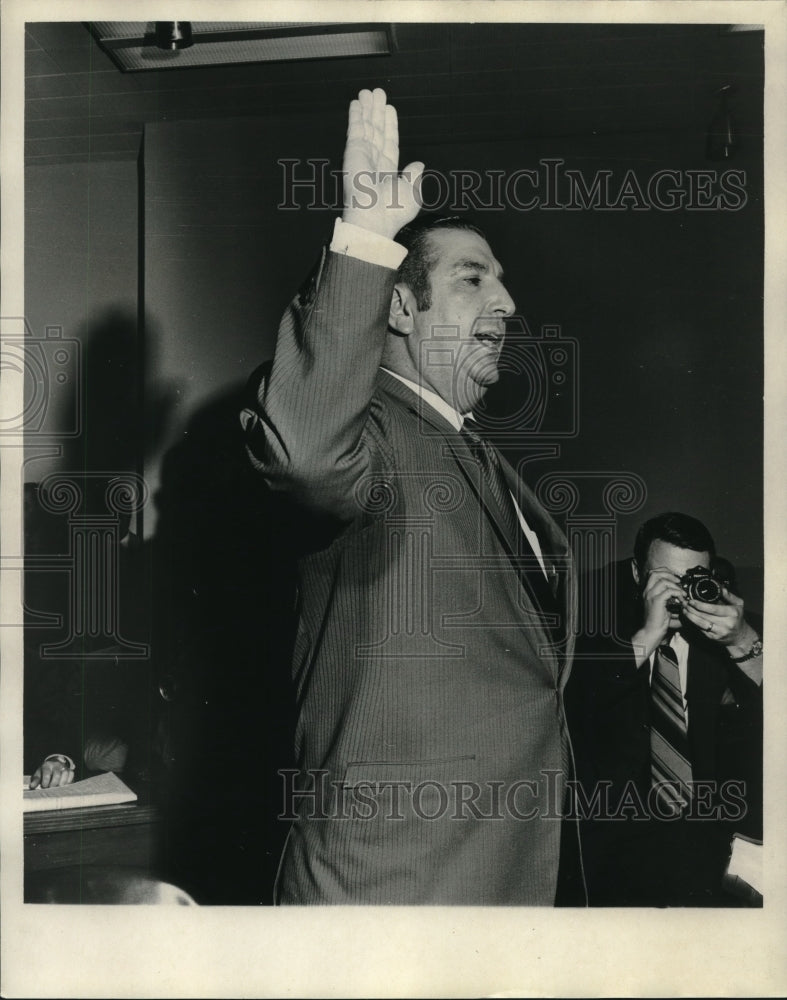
pixel 707 589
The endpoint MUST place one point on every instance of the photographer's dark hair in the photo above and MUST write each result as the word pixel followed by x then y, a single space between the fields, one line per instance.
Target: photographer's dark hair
pixel 422 256
pixel 678 529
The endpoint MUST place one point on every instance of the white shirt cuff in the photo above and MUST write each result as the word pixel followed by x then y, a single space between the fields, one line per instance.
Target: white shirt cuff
pixel 366 245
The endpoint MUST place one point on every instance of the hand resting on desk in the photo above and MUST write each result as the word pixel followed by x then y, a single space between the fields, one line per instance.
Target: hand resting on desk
pixel 56 770
pixel 100 754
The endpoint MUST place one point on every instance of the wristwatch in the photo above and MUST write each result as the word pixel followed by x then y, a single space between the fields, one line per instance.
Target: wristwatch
pixel 755 650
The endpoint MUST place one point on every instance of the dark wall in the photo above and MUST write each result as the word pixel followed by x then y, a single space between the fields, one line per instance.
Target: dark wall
pixel 220 261
pixel 81 276
pixel 665 306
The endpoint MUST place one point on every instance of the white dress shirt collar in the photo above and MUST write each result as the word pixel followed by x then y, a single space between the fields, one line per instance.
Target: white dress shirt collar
pixel 454 418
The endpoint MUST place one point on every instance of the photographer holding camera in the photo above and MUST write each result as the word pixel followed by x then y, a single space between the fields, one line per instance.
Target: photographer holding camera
pixel 678 588
pixel 666 722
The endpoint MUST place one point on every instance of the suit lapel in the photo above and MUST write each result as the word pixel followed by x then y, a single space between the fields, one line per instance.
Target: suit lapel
pixel 434 422
pixel 705 685
pixel 551 541
pixel 555 552
pixel 554 546
pixel 427 413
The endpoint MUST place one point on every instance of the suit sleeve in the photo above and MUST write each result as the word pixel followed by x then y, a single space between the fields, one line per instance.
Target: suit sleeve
pixel 740 742
pixel 306 431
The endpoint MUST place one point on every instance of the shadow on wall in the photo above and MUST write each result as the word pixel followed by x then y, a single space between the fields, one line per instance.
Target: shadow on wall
pixel 118 426
pixel 173 668
pixel 224 594
pixel 88 670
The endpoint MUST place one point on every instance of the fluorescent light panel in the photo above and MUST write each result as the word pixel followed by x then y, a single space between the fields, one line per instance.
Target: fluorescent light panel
pixel 130 44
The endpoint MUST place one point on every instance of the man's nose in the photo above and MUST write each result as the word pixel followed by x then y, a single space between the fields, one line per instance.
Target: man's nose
pixel 501 302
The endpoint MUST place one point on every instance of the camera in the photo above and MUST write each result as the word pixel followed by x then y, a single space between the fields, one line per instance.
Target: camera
pixel 698 584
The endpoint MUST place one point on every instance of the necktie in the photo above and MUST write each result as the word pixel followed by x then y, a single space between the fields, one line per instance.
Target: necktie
pixel 530 573
pixel 487 457
pixel 669 745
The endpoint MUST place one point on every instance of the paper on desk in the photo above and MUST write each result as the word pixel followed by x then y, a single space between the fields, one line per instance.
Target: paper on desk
pixel 100 790
pixel 746 862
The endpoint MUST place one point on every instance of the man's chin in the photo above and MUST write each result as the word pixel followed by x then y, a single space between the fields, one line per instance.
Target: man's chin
pixel 471 385
pixel 471 395
pixel 486 375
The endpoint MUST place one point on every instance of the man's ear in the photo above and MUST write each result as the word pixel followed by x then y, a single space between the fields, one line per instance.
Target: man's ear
pixel 400 316
pixel 635 571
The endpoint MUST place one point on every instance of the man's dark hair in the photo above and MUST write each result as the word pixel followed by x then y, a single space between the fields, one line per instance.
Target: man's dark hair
pixel 678 529
pixel 421 255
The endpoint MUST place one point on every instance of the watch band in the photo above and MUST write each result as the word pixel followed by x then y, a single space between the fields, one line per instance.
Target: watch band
pixel 755 650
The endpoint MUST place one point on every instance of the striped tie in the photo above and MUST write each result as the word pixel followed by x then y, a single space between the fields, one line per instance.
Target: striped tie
pixel 669 744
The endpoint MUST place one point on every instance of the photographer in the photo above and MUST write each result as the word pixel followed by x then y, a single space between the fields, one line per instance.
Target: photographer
pixel 666 722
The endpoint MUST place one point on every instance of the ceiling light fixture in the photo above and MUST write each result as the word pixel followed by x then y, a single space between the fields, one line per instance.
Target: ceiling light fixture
pixel 155 45
pixel 172 35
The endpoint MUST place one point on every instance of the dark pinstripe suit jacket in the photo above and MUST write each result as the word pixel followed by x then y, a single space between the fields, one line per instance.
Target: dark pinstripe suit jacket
pixel 429 697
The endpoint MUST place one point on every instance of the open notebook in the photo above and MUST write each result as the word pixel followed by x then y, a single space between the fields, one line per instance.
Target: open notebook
pixel 100 790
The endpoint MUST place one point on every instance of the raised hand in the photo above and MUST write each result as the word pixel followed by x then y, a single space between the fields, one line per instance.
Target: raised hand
pixel 376 196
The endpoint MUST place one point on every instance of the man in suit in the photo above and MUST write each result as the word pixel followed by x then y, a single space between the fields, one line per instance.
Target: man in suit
pixel 666 722
pixel 434 608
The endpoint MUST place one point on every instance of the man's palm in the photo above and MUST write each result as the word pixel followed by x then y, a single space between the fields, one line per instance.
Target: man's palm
pixel 376 196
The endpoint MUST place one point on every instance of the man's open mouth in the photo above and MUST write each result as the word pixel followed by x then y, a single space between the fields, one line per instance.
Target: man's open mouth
pixel 493 337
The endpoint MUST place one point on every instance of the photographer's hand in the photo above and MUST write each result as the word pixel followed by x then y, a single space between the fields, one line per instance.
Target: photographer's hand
pixel 725 624
pixel 661 586
pixel 722 623
pixel 376 196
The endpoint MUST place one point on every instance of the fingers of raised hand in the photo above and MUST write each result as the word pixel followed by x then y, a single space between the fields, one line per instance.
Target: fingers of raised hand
pixel 355 127
pixel 412 173
pixel 378 114
pixel 390 136
pixel 390 200
pixel 373 129
pixel 367 119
